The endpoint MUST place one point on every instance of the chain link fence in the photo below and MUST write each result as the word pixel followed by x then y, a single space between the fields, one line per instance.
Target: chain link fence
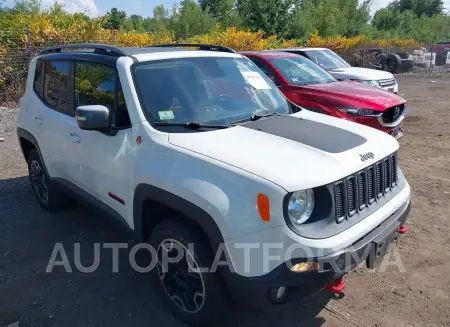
pixel 18 47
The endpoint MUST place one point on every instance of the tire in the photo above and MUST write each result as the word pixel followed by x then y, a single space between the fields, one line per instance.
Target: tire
pixel 48 196
pixel 393 63
pixel 210 299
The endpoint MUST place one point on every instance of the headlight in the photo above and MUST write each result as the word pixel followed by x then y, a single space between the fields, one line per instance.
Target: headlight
pixel 371 83
pixel 359 112
pixel 300 206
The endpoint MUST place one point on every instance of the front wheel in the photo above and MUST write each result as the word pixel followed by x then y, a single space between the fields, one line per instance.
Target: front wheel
pixel 190 292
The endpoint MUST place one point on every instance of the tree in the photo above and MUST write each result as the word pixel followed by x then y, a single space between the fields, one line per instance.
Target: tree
pixel 160 22
pixel 220 9
pixel 128 25
pixel 355 16
pixel 385 19
pixel 428 8
pixel 115 19
pixel 139 25
pixel 192 20
pixel 330 18
pixel 271 16
pixel 29 6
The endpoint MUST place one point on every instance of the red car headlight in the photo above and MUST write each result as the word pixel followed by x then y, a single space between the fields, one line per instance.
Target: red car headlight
pixel 359 112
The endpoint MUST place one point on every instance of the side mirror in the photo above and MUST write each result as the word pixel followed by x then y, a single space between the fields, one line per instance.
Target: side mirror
pixel 92 118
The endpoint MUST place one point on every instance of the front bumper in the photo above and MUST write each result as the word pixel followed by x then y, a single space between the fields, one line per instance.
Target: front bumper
pixel 391 88
pixel 253 291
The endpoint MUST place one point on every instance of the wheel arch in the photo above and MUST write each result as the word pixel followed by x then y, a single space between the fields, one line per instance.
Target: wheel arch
pixel 27 143
pixel 151 204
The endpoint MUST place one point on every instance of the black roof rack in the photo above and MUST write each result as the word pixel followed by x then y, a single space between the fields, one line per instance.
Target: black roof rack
pixel 106 49
pixel 200 46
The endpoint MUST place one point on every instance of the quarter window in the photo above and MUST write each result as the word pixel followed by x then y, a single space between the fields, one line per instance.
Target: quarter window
pixel 56 85
pixel 38 78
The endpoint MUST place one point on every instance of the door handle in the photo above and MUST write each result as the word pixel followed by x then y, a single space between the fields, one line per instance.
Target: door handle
pixel 75 138
pixel 39 120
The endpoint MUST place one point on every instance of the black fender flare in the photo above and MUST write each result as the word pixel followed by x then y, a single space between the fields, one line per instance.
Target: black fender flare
pixel 24 134
pixel 144 192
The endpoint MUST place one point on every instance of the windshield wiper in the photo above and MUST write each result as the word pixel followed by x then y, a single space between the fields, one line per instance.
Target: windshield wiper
pixel 255 117
pixel 190 125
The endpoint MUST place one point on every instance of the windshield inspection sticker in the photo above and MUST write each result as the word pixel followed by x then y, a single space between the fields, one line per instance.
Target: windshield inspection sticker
pixel 256 80
pixel 166 115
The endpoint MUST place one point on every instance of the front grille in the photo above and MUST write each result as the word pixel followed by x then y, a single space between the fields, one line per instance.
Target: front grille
pixel 370 184
pixel 360 190
pixel 390 115
pixel 351 196
pixel 378 186
pixel 339 201
pixel 386 82
pixel 362 193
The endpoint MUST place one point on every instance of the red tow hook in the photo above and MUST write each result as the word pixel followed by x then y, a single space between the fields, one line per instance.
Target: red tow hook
pixel 337 286
pixel 403 229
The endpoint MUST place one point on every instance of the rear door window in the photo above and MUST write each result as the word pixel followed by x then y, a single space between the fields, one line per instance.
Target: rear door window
pixel 56 85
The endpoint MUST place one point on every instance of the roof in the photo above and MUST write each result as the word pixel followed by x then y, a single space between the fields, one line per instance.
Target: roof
pixel 269 54
pixel 301 49
pixel 147 56
pixel 115 52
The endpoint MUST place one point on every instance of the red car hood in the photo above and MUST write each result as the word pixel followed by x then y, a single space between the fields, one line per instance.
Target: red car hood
pixel 352 94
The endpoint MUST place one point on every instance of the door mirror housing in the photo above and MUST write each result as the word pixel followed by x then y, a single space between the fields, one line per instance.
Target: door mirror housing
pixel 93 118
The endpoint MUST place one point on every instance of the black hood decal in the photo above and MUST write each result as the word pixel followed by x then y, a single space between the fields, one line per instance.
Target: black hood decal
pixel 317 135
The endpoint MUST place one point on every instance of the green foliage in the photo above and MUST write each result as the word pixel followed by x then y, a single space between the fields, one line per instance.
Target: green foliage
pixel 192 20
pixel 421 20
pixel 128 25
pixel 272 16
pixel 115 19
pixel 428 8
pixel 28 6
pixel 390 23
pixel 220 9
pixel 330 18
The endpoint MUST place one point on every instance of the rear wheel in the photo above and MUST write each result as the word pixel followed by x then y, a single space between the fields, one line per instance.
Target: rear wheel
pixel 48 197
pixel 192 294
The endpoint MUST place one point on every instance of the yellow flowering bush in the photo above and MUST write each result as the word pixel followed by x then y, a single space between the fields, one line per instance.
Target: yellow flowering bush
pixel 22 34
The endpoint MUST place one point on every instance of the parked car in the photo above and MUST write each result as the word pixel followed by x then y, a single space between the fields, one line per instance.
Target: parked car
pixel 342 70
pixel 311 87
pixel 201 156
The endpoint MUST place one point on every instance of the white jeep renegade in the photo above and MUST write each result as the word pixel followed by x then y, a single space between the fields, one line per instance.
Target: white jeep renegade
pixel 203 158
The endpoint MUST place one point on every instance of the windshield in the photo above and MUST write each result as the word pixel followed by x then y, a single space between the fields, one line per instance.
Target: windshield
pixel 208 90
pixel 327 59
pixel 301 71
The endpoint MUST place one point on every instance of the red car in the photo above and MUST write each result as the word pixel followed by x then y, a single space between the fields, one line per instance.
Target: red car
pixel 311 87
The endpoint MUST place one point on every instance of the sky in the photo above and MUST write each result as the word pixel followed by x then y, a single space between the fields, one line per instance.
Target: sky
pixel 140 7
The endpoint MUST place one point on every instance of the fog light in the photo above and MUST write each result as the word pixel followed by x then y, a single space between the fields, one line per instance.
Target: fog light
pixel 305 266
pixel 278 294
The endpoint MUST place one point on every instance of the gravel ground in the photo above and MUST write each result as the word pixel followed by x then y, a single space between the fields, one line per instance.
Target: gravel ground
pixel 417 297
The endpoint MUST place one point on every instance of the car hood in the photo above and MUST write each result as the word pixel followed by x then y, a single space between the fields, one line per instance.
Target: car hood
pixel 359 73
pixel 352 94
pixel 296 152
